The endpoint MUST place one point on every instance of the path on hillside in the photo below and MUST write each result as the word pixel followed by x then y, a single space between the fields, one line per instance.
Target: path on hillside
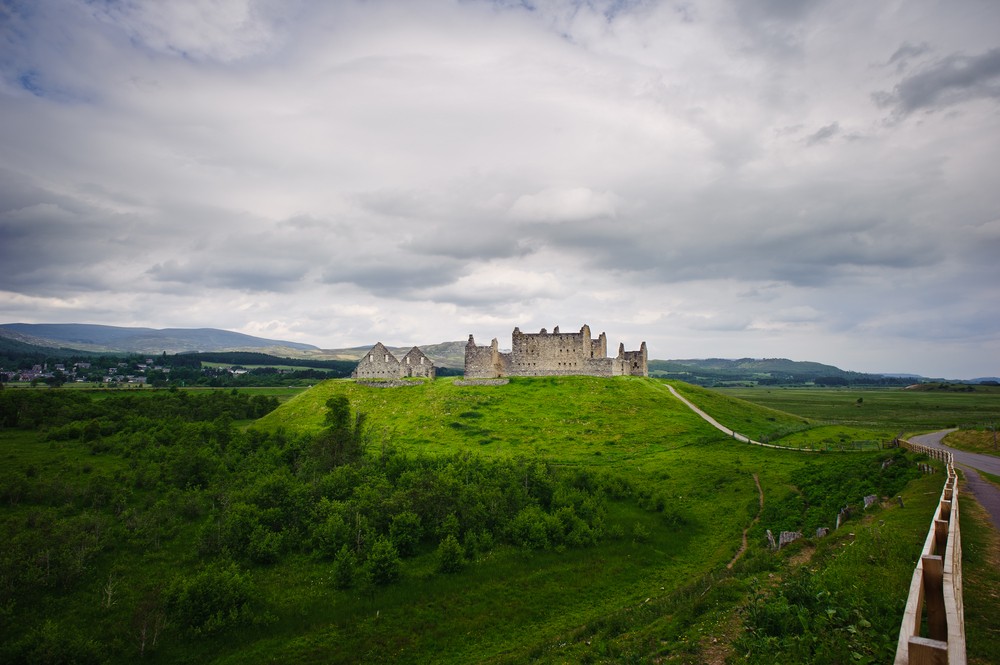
pixel 986 493
pixel 722 428
pixel 760 509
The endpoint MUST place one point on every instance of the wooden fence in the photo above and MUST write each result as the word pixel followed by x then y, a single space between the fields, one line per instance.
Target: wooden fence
pixel 933 627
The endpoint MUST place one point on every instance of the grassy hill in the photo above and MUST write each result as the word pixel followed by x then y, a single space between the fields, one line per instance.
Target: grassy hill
pixel 164 505
pixel 569 419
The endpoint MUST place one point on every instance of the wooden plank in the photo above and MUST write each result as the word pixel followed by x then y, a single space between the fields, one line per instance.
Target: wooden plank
pixel 910 626
pixel 940 537
pixel 945 511
pixel 927 652
pixel 937 620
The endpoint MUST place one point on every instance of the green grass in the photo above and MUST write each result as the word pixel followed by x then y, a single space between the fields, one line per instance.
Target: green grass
pixel 887 411
pixel 982 441
pixel 647 592
pixel 569 420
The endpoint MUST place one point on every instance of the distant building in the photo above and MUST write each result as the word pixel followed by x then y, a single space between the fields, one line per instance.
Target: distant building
pixel 379 363
pixel 553 354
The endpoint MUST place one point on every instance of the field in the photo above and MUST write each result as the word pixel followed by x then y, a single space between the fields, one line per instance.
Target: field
pixel 666 497
pixel 886 410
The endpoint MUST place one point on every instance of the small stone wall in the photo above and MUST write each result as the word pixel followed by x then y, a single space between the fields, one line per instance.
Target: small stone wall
pixel 388 384
pixel 482 382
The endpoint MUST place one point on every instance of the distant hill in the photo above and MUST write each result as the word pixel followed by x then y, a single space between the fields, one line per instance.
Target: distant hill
pixel 97 338
pixel 713 371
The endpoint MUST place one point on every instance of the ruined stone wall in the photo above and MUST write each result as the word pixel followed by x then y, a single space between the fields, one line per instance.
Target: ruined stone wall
pixel 377 364
pixel 416 364
pixel 635 363
pixel 552 354
pixel 482 362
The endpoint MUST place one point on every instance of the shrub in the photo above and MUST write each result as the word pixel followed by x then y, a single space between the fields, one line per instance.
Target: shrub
pixel 52 644
pixel 404 532
pixel 529 529
pixel 344 565
pixel 450 556
pixel 216 598
pixel 383 562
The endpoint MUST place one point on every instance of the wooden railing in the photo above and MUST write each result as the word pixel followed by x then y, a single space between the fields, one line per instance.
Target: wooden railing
pixel 936 588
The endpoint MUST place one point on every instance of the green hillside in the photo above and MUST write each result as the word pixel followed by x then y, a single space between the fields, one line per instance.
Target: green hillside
pixel 569 419
pixel 568 519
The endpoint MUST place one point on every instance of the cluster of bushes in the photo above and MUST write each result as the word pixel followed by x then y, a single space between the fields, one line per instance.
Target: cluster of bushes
pixel 326 496
pixel 169 471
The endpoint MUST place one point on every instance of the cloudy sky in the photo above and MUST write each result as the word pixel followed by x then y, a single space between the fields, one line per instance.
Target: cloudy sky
pixel 809 179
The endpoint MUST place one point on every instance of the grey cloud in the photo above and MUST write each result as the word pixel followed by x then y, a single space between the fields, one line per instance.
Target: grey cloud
pixel 775 26
pixel 392 277
pixel 54 244
pixel 469 242
pixel 750 236
pixel 906 51
pixel 823 134
pixel 777 10
pixel 399 203
pixel 951 80
pixel 251 273
pixel 221 31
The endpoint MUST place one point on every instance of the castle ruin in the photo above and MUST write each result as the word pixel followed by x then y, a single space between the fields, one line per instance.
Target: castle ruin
pixel 379 363
pixel 553 354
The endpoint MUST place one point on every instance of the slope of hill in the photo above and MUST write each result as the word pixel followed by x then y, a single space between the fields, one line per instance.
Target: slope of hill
pixel 598 418
pixel 89 337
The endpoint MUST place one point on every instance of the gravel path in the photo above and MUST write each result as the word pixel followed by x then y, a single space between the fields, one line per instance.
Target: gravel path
pixel 986 493
pixel 722 428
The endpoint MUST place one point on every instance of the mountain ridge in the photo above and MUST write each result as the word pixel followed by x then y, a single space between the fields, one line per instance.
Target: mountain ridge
pixel 101 338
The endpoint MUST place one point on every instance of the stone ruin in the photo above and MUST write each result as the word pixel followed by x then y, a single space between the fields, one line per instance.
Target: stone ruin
pixel 380 364
pixel 553 354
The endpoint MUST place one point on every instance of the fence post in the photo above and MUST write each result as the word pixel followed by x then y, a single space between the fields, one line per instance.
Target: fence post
pixel 940 536
pixel 937 620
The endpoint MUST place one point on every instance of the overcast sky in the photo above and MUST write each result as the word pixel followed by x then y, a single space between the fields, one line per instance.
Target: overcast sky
pixel 816 180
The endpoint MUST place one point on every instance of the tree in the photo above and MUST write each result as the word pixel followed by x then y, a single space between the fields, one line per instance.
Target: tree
pixel 383 562
pixel 338 412
pixel 404 532
pixel 213 599
pixel 342 441
pixel 343 568
pixel 450 557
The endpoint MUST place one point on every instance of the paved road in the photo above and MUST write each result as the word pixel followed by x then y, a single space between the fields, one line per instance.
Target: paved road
pixel 986 493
